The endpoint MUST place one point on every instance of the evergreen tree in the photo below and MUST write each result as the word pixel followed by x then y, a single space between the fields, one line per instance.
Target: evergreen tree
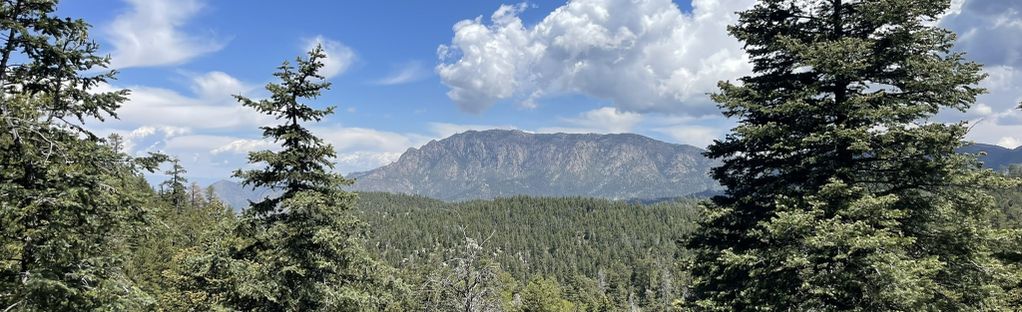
pixel 304 248
pixel 174 188
pixel 66 197
pixel 840 194
pixel 198 275
pixel 544 295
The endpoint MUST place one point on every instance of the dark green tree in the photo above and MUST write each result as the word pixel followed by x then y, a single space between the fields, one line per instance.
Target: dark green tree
pixel 841 195
pixel 66 197
pixel 544 295
pixel 198 276
pixel 174 188
pixel 304 250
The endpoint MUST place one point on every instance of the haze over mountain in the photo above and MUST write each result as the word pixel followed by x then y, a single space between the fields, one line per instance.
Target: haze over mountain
pixel 496 163
pixel 500 163
pixel 997 157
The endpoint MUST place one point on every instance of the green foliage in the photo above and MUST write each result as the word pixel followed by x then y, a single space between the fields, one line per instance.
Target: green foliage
pixel 179 256
pixel 607 255
pixel 303 250
pixel 67 197
pixel 1010 201
pixel 174 188
pixel 544 295
pixel 197 276
pixel 840 195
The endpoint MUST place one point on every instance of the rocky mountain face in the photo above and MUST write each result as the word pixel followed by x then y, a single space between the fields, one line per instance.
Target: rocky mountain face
pixel 495 163
pixel 237 196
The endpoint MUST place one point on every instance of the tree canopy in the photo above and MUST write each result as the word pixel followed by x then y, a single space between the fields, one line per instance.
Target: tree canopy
pixel 841 195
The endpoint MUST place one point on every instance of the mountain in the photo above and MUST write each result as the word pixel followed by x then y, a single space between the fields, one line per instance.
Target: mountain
pixel 238 196
pixel 996 157
pixel 500 163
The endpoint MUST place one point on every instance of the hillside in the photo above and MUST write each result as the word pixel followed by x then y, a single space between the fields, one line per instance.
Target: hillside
pixel 497 163
pixel 629 249
pixel 501 163
pixel 996 157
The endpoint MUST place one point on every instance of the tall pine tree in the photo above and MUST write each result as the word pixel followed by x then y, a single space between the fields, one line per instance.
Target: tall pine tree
pixel 304 248
pixel 174 189
pixel 66 197
pixel 841 195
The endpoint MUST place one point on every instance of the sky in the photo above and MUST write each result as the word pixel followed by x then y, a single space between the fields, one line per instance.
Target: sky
pixel 408 72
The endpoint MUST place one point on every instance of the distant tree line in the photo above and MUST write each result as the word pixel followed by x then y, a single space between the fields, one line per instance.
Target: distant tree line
pixel 601 254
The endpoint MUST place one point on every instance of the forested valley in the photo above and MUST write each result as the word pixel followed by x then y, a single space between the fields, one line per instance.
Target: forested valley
pixel 838 197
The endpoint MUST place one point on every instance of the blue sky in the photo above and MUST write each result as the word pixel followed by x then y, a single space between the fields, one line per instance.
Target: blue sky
pixel 408 72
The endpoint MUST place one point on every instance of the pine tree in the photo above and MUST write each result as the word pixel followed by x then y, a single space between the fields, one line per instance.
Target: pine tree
pixel 544 295
pixel 305 251
pixel 66 197
pixel 174 188
pixel 841 195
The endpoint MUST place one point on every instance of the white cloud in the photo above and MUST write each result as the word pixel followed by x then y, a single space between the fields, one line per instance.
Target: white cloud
pixel 218 86
pixel 338 56
pixel 442 130
pixel 410 72
pixel 1009 142
pixel 150 34
pixel 981 109
pixel 363 160
pixel 212 106
pixel 198 143
pixel 990 32
pixel 348 139
pixel 243 146
pixel 699 136
pixel 645 56
pixel 361 149
pixel 606 120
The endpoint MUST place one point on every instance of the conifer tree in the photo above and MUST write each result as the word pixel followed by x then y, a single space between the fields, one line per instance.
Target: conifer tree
pixel 174 188
pixel 65 195
pixel 841 195
pixel 304 251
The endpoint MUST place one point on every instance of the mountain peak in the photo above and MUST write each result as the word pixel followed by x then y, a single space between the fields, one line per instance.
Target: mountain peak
pixel 498 163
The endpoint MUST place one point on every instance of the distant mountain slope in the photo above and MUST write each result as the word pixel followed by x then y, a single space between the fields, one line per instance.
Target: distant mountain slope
pixel 499 163
pixel 238 196
pixel 502 163
pixel 996 157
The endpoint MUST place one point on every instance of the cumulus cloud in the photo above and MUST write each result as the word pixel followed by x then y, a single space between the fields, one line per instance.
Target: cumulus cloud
pixel 150 34
pixel 360 149
pixel 990 32
pixel 699 136
pixel 338 56
pixel 607 119
pixel 1010 142
pixel 644 56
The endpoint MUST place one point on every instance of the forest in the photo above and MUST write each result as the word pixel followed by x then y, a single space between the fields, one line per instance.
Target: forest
pixel 841 195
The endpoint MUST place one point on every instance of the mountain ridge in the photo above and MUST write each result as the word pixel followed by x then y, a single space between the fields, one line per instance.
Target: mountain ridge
pixel 496 163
